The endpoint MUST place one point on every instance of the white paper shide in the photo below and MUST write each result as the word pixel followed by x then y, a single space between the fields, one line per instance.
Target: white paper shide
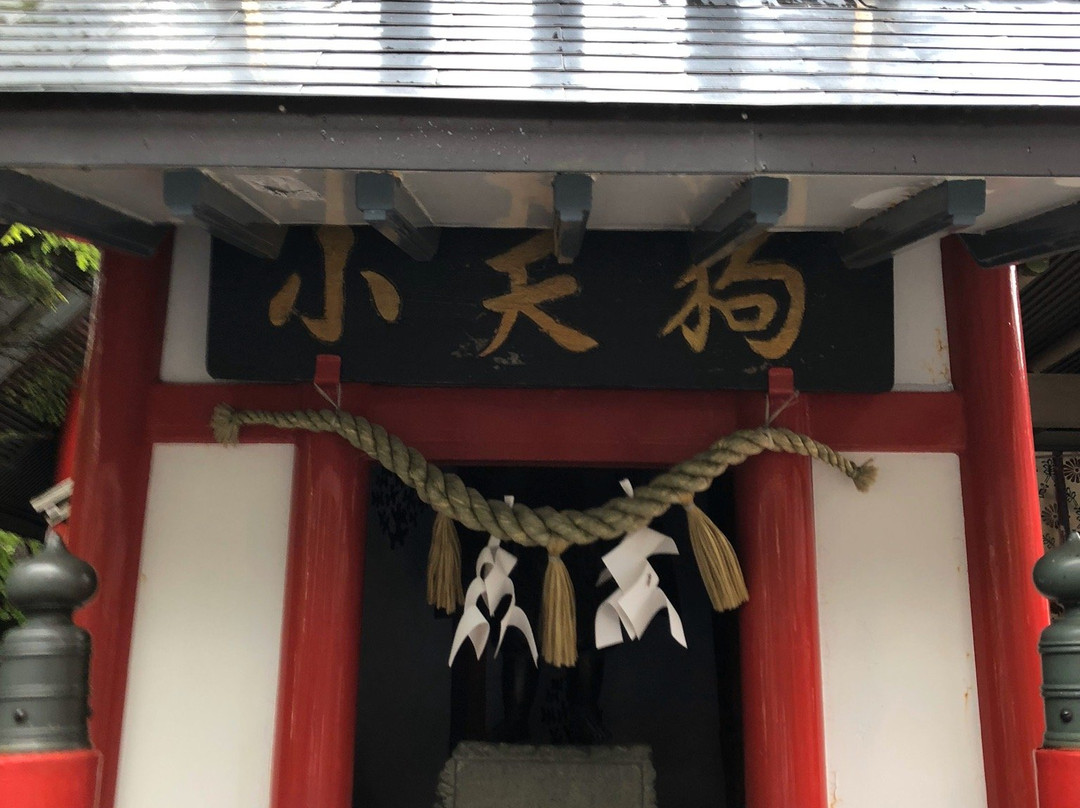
pixel 638 598
pixel 491 585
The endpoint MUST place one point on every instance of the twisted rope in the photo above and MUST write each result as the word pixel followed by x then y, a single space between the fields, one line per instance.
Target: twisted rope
pixel 544 526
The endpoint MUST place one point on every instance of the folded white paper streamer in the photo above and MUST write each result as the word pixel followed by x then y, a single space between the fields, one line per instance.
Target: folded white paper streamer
pixel 638 598
pixel 491 584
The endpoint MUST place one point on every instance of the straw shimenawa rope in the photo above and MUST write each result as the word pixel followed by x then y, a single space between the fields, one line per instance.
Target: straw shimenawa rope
pixel 539 527
pixel 554 530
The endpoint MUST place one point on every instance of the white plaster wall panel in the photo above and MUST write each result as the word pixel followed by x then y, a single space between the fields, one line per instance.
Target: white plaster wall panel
pixel 183 355
pixel 898 671
pixel 922 339
pixel 203 677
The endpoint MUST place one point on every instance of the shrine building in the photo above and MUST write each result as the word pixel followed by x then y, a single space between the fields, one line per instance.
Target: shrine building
pixel 550 246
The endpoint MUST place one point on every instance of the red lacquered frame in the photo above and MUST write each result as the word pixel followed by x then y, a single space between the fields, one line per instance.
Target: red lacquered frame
pixel 1058 777
pixel 112 465
pixel 126 410
pixel 51 779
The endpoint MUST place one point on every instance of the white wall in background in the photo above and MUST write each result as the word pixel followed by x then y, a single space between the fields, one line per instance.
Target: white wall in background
pixel 183 355
pixel 922 340
pixel 898 670
pixel 203 677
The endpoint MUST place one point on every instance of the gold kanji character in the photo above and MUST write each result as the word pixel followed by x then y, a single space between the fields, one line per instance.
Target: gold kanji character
pixel 525 298
pixel 336 243
pixel 746 313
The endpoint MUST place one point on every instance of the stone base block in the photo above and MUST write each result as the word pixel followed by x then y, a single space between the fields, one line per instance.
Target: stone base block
pixel 488 775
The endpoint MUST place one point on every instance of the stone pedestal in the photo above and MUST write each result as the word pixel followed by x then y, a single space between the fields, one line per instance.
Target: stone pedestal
pixel 487 775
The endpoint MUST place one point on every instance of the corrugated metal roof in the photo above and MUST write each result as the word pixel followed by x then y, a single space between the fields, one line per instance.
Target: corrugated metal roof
pixel 1050 312
pixel 813 52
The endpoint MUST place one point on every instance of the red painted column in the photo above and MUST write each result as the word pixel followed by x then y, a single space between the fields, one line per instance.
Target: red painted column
pixel 69 435
pixel 112 465
pixel 1001 518
pixel 316 718
pixel 783 723
pixel 50 780
pixel 69 440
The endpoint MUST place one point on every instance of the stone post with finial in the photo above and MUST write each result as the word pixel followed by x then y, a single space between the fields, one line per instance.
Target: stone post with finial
pixel 46 760
pixel 1057 576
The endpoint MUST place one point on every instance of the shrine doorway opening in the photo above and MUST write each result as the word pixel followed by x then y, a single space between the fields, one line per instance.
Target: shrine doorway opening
pixel 413 708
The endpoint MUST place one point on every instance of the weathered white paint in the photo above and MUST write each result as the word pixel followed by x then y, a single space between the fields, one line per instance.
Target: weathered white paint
pixel 901 707
pixel 922 340
pixel 183 355
pixel 203 678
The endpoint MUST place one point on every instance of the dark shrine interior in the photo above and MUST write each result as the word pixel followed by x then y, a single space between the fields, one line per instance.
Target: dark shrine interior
pixel 413 708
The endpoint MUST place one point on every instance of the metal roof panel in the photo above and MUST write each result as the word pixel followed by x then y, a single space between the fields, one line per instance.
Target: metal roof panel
pixel 753 52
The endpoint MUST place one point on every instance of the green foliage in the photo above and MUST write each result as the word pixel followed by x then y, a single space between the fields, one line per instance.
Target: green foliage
pixel 42 394
pixel 30 262
pixel 10 545
pixel 29 257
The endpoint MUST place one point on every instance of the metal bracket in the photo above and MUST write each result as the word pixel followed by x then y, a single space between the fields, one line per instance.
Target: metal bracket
pixel 572 194
pixel 781 393
pixel 328 372
pixel 55 503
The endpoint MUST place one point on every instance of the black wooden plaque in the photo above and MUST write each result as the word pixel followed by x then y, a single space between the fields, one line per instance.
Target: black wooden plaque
pixel 495 309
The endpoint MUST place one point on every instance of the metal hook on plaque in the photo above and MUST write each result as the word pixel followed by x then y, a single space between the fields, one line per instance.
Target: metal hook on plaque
pixel 781 393
pixel 328 373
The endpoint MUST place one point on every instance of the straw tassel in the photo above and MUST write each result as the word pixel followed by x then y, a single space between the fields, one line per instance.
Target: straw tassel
pixel 864 476
pixel 444 566
pixel 225 426
pixel 559 617
pixel 716 560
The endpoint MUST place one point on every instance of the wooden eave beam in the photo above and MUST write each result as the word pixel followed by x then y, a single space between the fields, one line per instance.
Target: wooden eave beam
pixel 1046 234
pixel 750 210
pixel 193 195
pixel 945 207
pixel 387 206
pixel 40 204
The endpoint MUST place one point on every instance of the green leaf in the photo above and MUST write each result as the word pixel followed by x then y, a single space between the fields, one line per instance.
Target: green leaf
pixel 42 394
pixel 9 545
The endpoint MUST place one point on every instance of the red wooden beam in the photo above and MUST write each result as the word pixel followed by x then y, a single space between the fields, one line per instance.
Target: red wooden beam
pixel 112 466
pixel 1059 777
pixel 889 422
pixel 1001 517
pixel 50 779
pixel 643 427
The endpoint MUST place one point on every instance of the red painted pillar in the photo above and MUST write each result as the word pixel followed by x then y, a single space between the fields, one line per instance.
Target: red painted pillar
pixel 111 469
pixel 69 435
pixel 784 734
pixel 316 718
pixel 69 440
pixel 1001 518
pixel 50 780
